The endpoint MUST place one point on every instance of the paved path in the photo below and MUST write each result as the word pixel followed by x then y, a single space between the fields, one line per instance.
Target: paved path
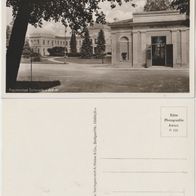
pixel 52 59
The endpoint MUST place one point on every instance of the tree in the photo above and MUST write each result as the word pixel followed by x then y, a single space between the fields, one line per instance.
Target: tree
pixel 157 5
pixel 100 50
pixel 87 48
pixel 76 13
pixel 182 5
pixel 73 43
pixel 8 33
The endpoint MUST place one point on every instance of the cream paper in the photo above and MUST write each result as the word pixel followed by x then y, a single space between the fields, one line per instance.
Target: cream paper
pixel 138 147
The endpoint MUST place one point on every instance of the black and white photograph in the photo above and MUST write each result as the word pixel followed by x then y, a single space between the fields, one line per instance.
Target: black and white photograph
pixel 102 46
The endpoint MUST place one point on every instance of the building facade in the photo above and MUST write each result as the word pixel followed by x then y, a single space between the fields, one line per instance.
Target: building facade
pixel 158 38
pixel 41 41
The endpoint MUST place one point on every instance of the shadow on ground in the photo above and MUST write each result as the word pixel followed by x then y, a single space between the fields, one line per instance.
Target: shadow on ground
pixel 34 86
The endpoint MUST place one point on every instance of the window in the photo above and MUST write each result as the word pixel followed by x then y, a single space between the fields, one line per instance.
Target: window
pixel 43 42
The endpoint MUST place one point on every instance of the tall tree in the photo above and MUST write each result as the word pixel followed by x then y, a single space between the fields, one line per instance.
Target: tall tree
pixel 73 43
pixel 156 5
pixel 76 12
pixel 100 50
pixel 87 48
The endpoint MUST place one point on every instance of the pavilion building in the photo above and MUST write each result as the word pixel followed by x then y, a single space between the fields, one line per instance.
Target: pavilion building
pixel 158 38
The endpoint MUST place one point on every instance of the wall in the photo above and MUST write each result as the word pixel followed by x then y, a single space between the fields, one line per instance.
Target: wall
pixel 117 35
pixel 179 37
pixel 142 27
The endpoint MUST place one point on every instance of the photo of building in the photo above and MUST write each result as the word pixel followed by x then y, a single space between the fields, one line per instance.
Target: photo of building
pixel 151 38
pixel 41 42
pixel 140 46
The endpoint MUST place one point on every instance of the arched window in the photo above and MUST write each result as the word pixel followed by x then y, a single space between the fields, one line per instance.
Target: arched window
pixel 124 49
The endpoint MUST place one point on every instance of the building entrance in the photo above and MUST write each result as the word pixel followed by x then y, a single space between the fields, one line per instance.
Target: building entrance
pixel 159 50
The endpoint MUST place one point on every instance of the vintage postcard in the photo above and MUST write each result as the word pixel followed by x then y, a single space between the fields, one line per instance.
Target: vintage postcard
pixel 134 147
pixel 126 49
pixel 98 97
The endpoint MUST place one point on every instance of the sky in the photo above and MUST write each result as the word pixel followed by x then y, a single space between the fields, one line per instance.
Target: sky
pixel 120 12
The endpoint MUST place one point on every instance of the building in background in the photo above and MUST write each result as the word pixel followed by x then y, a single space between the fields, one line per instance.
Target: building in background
pixel 157 38
pixel 41 40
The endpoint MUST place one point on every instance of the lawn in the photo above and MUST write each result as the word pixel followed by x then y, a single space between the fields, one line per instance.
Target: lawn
pixel 82 78
pixel 44 60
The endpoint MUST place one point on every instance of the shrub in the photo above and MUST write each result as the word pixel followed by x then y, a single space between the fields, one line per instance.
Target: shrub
pixel 36 57
pixel 73 54
pixel 56 51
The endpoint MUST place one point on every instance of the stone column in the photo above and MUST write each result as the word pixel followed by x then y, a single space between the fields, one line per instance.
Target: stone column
pixel 174 42
pixel 139 51
pixel 131 50
pixel 136 51
pixel 188 47
pixel 143 49
pixel 117 49
pixel 114 49
pixel 179 49
pixel 184 48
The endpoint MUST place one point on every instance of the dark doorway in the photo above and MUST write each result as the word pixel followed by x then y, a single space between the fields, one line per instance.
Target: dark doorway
pixel 159 50
pixel 169 55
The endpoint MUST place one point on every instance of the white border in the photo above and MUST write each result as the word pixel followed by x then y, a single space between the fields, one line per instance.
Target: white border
pixel 1 108
pixel 62 95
